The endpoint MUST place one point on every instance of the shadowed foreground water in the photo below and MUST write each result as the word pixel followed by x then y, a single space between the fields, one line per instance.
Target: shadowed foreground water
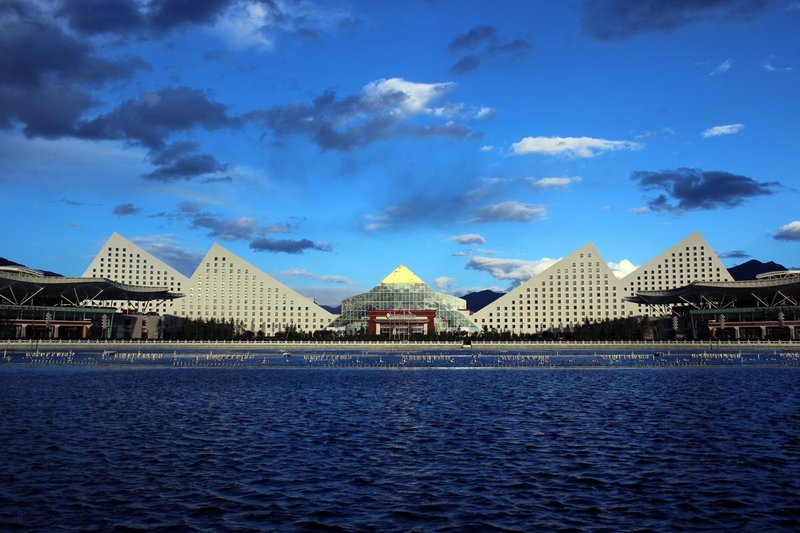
pixel 282 449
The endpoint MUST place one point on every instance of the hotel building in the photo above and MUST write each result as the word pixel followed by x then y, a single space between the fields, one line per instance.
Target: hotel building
pixel 223 287
pixel 582 288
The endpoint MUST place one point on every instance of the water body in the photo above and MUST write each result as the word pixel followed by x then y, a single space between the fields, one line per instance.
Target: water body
pixel 615 449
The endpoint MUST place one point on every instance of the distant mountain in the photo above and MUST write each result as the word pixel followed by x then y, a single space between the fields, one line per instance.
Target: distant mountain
pixel 750 269
pixel 7 262
pixel 336 310
pixel 478 300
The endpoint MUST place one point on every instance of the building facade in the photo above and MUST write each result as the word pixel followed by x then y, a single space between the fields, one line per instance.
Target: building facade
pixel 223 287
pixel 402 305
pixel 582 288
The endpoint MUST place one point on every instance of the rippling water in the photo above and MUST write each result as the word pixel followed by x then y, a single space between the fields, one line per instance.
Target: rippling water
pixel 314 449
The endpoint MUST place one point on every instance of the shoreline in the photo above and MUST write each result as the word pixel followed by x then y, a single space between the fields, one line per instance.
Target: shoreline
pixel 383 346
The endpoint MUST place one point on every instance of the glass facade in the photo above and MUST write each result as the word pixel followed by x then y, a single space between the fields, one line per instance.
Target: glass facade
pixel 404 296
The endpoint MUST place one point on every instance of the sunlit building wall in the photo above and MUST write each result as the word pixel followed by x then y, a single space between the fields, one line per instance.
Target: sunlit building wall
pixel 223 287
pixel 581 288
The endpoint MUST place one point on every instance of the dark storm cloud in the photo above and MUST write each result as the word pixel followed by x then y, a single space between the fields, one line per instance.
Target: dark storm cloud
pixel 155 116
pixel 46 75
pixel 180 161
pixel 611 20
pixel 689 188
pixel 130 16
pixel 483 43
pixel 347 123
pixel 126 209
pixel 289 246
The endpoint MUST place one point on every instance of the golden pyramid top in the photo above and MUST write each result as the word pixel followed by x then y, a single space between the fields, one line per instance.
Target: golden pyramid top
pixel 402 274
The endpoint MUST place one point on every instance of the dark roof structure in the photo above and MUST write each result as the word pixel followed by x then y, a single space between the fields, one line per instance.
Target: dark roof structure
pixel 768 291
pixel 22 286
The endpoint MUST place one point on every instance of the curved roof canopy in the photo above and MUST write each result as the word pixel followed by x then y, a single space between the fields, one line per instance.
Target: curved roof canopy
pixel 767 292
pixel 26 287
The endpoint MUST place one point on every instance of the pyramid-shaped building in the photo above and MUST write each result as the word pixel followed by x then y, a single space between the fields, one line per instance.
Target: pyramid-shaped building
pixel 402 304
pixel 582 288
pixel 223 287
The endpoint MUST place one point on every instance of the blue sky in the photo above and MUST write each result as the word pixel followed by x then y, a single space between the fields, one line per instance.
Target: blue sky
pixel 328 142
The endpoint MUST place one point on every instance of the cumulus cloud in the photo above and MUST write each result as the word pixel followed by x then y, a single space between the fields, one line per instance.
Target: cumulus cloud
pixel 289 246
pixel 135 17
pixel 251 23
pixel 468 238
pixel 689 188
pixel 180 161
pixel 241 23
pixel 486 148
pixel 571 146
pixel 514 270
pixel 611 20
pixel 156 115
pixel 554 183
pixel 788 232
pixel 728 129
pixel 166 248
pixel 385 108
pixel 443 283
pixel 511 211
pixel 484 44
pixel 48 74
pixel 622 268
pixel 126 209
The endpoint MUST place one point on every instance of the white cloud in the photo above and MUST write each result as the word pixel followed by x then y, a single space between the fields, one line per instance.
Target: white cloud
pixel 723 67
pixel 335 278
pixel 484 112
pixel 554 183
pixel 327 278
pixel 640 210
pixel 468 238
pixel 516 270
pixel 571 146
pixel 770 67
pixel 728 129
pixel 622 269
pixel 789 232
pixel 245 25
pixel 650 134
pixel 510 211
pixel 296 272
pixel 487 148
pixel 254 24
pixel 443 283
pixel 416 97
